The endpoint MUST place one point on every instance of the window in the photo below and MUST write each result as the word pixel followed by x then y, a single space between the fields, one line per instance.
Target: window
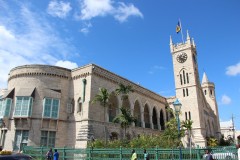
pixel 50 108
pixel 205 92
pixel 181 78
pixel 211 92
pixel 187 91
pixel 21 139
pixel 184 78
pixel 48 138
pixel 79 106
pixel 185 115
pixel 187 78
pixel 183 92
pixel 23 107
pixel 5 107
pixel 189 114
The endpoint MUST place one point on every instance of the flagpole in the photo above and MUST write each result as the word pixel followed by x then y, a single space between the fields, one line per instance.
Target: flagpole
pixel 181 29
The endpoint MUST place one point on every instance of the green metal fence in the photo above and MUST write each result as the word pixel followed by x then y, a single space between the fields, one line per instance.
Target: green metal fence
pixel 125 153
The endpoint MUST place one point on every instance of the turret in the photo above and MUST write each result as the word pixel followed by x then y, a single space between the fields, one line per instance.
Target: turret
pixel 208 87
pixel 188 38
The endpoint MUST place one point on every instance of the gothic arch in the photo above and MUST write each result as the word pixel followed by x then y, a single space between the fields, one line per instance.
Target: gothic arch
pixel 147 116
pixel 126 103
pixel 137 113
pixel 154 118
pixel 112 107
pixel 162 123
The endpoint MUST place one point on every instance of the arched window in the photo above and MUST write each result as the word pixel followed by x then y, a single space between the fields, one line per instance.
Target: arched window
pixel 187 78
pixel 211 92
pixel 205 92
pixel 184 78
pixel 181 78
pixel 79 105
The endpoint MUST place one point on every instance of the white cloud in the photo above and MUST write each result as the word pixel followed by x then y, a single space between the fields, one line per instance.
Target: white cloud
pixel 59 9
pixel 27 38
pixel 225 100
pixel 233 70
pixel 124 11
pixel 94 8
pixel 86 27
pixel 66 64
pixel 100 8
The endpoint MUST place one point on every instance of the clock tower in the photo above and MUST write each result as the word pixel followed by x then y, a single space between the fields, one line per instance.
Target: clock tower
pixel 188 89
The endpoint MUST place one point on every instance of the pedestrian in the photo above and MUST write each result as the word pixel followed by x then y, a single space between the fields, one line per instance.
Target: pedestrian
pixel 134 155
pixel 55 155
pixel 146 155
pixel 208 155
pixel 49 154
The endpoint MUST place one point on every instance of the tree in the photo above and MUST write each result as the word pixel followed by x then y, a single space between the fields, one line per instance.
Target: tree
pixel 124 91
pixel 102 97
pixel 212 142
pixel 171 133
pixel 125 119
pixel 188 126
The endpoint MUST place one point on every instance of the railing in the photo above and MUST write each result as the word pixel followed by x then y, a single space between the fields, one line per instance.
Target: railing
pixel 125 153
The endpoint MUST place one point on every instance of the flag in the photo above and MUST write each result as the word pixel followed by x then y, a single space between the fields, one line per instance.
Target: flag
pixel 178 28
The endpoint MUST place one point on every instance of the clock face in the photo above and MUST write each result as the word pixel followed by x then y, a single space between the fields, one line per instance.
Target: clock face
pixel 181 57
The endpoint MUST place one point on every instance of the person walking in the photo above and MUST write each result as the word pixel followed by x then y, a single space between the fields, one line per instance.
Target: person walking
pixel 49 154
pixel 134 155
pixel 145 155
pixel 208 156
pixel 55 155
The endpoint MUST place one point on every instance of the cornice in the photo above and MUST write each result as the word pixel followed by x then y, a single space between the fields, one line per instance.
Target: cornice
pixel 116 79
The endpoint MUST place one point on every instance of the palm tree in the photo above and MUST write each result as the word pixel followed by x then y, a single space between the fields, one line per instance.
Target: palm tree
pixel 124 91
pixel 212 142
pixel 125 119
pixel 188 125
pixel 102 97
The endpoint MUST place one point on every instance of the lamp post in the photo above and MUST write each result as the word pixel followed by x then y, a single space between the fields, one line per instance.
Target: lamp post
pixel 177 106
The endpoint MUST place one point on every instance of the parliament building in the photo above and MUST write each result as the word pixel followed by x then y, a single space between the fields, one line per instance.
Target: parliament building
pixel 51 106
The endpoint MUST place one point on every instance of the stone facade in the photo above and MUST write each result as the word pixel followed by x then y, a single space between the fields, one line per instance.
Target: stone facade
pixel 198 99
pixel 79 120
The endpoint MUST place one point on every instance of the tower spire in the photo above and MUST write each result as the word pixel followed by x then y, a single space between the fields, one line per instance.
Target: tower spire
pixel 204 79
pixel 171 42
pixel 188 38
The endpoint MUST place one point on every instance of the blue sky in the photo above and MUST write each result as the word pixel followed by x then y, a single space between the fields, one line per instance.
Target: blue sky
pixel 129 38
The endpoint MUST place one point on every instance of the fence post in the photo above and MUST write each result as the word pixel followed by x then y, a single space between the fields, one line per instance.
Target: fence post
pixel 64 153
pixel 198 154
pixel 120 152
pixel 42 152
pixel 156 153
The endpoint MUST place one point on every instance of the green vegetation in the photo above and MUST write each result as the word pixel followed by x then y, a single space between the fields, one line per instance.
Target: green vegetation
pixel 102 97
pixel 125 119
